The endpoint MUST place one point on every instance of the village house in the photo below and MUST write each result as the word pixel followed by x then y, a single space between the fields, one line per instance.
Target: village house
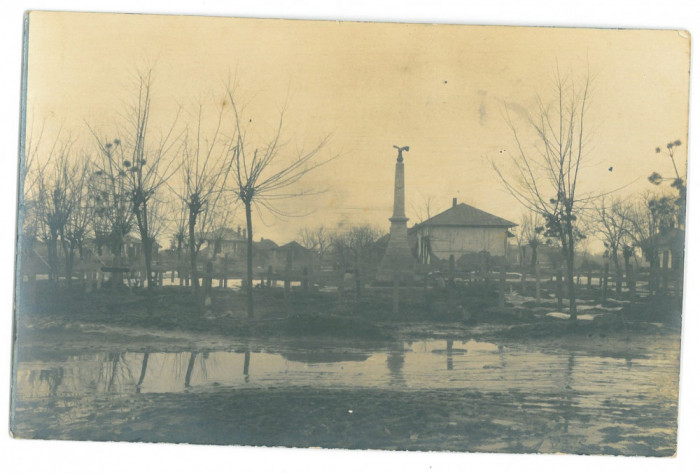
pixel 224 243
pixel 462 231
pixel 301 257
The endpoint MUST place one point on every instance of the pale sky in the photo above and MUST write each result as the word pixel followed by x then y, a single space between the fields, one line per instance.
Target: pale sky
pixel 440 89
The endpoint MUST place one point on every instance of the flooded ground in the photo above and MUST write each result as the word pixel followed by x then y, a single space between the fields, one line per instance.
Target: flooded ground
pixel 616 397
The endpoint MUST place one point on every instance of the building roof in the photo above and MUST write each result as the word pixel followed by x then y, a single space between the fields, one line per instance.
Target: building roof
pixel 294 245
pixel 265 244
pixel 225 235
pixel 464 215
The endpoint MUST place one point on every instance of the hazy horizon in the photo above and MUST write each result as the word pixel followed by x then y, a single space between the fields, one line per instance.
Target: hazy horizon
pixel 441 89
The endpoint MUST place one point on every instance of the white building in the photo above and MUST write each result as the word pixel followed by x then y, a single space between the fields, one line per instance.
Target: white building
pixel 460 230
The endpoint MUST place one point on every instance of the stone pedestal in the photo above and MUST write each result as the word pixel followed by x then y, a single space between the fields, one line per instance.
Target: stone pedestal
pixel 398 260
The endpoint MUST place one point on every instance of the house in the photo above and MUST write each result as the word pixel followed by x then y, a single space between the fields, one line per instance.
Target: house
pixel 132 248
pixel 224 243
pixel 301 257
pixel 463 231
pixel 263 252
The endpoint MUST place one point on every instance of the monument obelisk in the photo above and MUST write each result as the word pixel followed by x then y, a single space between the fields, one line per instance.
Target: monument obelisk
pixel 398 260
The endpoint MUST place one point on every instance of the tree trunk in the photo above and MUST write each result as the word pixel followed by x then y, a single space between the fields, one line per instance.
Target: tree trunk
pixel 193 254
pixel 148 256
pixel 249 259
pixel 558 289
pixel 605 283
pixel 502 285
pixel 537 283
pixel 570 255
pixel 190 367
pixel 288 284
pixel 52 249
pixel 618 276
pixel 142 376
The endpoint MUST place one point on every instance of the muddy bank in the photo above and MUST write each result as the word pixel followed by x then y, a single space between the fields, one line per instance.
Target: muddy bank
pixel 445 420
pixel 317 314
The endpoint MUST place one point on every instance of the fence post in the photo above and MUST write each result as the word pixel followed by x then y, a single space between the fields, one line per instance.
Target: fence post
pixel 208 283
pixel 590 276
pixel 631 284
pixel 537 283
pixel 559 289
pixel 288 283
pixel 664 274
pixel 502 285
pixel 604 293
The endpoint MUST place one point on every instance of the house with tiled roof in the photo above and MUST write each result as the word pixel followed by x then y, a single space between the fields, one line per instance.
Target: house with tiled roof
pixel 223 243
pixel 461 230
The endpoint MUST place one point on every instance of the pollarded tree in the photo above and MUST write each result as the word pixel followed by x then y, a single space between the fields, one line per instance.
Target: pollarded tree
pixel 205 168
pixel 55 202
pixel 546 176
pixel 612 225
pixel 532 232
pixel 652 215
pixel 108 192
pixel 262 176
pixel 78 223
pixel 143 164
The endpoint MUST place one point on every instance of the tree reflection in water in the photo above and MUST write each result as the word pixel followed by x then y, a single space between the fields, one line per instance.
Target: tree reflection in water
pixel 394 362
pixel 448 351
pixel 144 366
pixel 246 366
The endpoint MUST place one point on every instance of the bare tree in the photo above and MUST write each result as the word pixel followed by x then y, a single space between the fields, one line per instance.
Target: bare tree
pixel 179 236
pixel 316 239
pixel 144 166
pixel 112 210
pixel 547 176
pixel 647 218
pixel 55 202
pixel 35 160
pixel 424 213
pixel 532 230
pixel 204 173
pixel 261 177
pixel 81 216
pixel 613 228
pixel 354 247
pixel 677 182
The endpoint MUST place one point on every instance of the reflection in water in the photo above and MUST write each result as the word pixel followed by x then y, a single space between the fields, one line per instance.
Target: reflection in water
pixel 394 361
pixel 424 364
pixel 190 366
pixel 568 392
pixel 448 351
pixel 572 396
pixel 144 366
pixel 246 366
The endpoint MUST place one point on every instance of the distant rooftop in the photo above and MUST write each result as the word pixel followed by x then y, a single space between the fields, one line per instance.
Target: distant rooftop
pixel 464 215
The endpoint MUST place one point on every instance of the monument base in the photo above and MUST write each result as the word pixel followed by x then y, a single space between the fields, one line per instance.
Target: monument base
pixel 398 261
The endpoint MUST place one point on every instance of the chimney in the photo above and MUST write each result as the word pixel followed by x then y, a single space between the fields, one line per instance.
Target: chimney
pixel 244 233
pixel 454 202
pixel 239 230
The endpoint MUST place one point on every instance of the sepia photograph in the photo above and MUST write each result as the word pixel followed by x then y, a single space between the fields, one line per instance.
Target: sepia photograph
pixel 390 236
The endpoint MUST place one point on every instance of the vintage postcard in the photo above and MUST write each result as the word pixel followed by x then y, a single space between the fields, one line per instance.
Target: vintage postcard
pixel 350 235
